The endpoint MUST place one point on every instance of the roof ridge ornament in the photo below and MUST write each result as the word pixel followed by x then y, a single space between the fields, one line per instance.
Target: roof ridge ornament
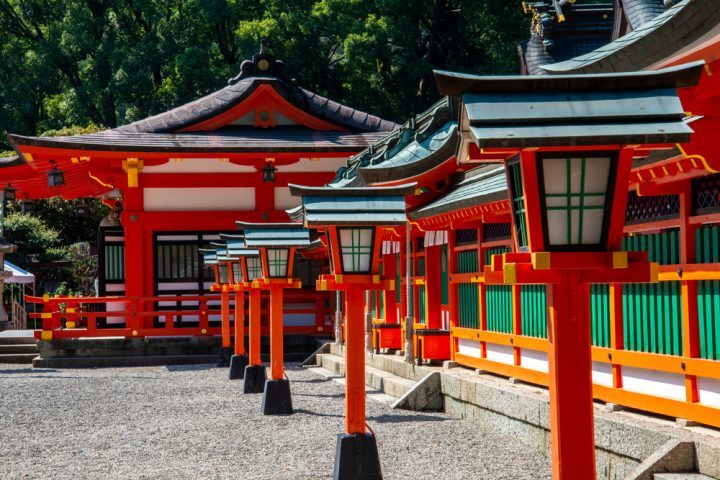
pixel 263 64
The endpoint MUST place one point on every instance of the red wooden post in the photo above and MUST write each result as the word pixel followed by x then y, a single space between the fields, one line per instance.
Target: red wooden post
pixel 276 334
pixel 255 327
pixel 204 320
pixel 239 322
pixel 516 321
pixel 433 288
pixel 617 336
pixel 225 317
pixel 354 364
pixel 689 291
pixel 570 378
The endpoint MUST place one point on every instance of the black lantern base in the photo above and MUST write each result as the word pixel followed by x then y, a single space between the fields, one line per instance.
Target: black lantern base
pixel 254 379
pixel 237 367
pixel 276 398
pixel 356 457
pixel 224 355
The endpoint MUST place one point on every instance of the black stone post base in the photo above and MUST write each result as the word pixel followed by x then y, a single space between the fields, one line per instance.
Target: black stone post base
pixel 356 457
pixel 276 398
pixel 254 379
pixel 224 355
pixel 237 367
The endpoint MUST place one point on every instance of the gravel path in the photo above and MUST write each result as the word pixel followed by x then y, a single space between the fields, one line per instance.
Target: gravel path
pixel 191 422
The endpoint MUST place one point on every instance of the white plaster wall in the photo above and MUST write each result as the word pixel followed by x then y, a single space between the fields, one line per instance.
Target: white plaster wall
pixel 500 353
pixel 661 384
pixel 283 199
pixel 199 199
pixel 199 165
pixel 115 306
pixel 709 389
pixel 469 347
pixel 317 165
pixel 534 360
pixel 602 374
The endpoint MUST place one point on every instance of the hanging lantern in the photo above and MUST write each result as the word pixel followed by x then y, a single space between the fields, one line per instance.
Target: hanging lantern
pixel 81 208
pixel 56 177
pixel 9 193
pixel 269 172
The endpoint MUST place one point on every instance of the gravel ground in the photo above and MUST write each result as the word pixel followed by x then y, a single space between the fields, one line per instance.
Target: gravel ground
pixel 191 422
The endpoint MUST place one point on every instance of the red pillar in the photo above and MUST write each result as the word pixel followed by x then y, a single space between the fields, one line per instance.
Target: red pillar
pixel 239 322
pixel 570 378
pixel 276 334
pixel 135 249
pixel 354 363
pixel 225 317
pixel 255 327
pixel 689 291
pixel 617 335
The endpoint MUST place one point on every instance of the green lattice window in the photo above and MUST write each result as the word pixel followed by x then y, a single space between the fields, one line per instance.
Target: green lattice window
pixel 114 262
pixel 277 259
pixel 178 261
pixel 356 249
pixel 575 199
pixel 494 251
pixel 422 304
pixel 467 261
pixel 237 272
pixel 420 267
pixel 533 305
pixel 518 202
pixel 254 268
pixel 498 308
pixel 600 315
pixel 708 251
pixel 444 275
pixel 398 278
pixel 223 273
pixel 468 299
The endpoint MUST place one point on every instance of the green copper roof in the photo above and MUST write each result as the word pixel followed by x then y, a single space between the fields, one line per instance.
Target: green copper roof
pixel 353 205
pixel 275 235
pixel 570 110
pixel 420 144
pixel 481 185
pixel 209 256
pixel 678 28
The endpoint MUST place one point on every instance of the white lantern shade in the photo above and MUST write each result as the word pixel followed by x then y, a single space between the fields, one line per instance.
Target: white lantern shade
pixel 356 249
pixel 254 268
pixel 277 259
pixel 576 197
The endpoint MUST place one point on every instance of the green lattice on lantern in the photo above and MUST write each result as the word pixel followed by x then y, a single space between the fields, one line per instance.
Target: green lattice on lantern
pixel 277 259
pixel 254 268
pixel 356 249
pixel 518 202
pixel 575 197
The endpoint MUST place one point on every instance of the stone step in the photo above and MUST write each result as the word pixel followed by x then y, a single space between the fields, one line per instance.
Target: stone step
pixel 17 357
pixel 374 378
pixel 17 340
pixel 18 348
pixel 681 476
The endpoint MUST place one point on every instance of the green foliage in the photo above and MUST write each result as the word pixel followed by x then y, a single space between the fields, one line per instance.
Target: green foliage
pixel 77 62
pixel 73 220
pixel 34 239
pixel 78 271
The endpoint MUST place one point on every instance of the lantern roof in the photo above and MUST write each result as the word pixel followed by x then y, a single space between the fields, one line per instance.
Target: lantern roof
pixel 574 110
pixel 209 256
pixel 681 27
pixel 274 234
pixel 236 248
pixel 353 205
pixel 485 184
pixel 422 143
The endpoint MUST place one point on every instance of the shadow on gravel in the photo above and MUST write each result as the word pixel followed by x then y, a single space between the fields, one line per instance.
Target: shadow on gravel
pixel 323 395
pixel 190 368
pixel 314 380
pixel 410 417
pixel 310 412
pixel 28 370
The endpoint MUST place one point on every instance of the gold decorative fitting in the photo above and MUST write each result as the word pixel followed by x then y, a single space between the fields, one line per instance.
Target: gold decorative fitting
pixel 135 333
pixel 46 335
pixel 510 273
pixel 541 260
pixel 133 166
pixel 620 259
pixel 203 331
pixel 263 65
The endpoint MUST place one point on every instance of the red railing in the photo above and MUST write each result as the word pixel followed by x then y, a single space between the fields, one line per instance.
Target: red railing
pixel 76 317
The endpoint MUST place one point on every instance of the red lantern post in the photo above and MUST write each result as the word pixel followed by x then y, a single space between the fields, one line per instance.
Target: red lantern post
pixel 353 219
pixel 277 244
pixel 568 144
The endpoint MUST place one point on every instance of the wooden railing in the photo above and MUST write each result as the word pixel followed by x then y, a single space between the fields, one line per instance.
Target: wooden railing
pixel 19 316
pixel 195 315
pixel 682 385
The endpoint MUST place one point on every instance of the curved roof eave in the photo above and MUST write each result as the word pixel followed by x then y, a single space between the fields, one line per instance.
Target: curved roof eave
pixel 677 28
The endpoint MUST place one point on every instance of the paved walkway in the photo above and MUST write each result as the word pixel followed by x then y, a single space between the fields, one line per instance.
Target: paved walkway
pixel 191 422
